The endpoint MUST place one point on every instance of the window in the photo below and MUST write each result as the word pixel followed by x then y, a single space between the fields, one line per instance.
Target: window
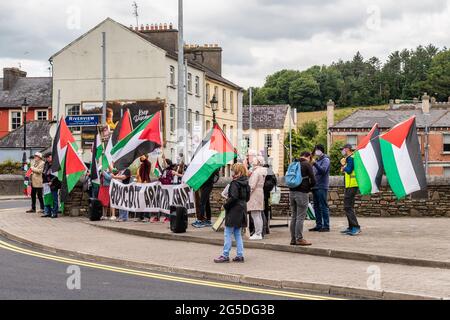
pixel 73 110
pixel 172 75
pixel 197 86
pixel 189 82
pixel 231 101
pixel 41 115
pixel 189 121
pixel 247 138
pixel 353 140
pixel 216 92
pixel 231 134
pixel 224 99
pixel 16 119
pixel 208 125
pixel 172 118
pixel 267 141
pixel 225 129
pixel 197 118
pixel 207 98
pixel 446 142
pixel 447 172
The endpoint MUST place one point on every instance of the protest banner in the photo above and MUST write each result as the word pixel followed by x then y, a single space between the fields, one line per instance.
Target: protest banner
pixel 150 197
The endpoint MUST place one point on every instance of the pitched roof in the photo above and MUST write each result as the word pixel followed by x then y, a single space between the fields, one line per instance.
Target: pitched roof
pixel 365 119
pixel 265 116
pixel 38 92
pixel 38 136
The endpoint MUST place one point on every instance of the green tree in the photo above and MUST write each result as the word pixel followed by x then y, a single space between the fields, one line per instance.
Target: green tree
pixel 309 130
pixel 335 158
pixel 439 75
pixel 304 93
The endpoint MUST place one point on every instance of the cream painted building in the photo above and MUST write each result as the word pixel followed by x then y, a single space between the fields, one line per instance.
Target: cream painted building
pixel 141 66
pixel 270 128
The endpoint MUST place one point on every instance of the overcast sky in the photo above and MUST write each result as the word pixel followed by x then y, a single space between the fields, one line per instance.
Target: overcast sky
pixel 258 37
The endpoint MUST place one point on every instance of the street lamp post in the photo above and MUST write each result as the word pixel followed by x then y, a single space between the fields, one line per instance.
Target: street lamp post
pixel 214 106
pixel 24 111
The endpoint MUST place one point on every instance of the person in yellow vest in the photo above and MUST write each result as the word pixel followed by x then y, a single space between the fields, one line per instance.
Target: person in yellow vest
pixel 351 190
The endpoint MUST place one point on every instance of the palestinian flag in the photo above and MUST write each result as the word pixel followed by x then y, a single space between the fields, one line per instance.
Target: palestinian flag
pixel 74 169
pixel 157 170
pixel 402 159
pixel 62 138
pixel 141 141
pixel 123 129
pixel 27 184
pixel 48 197
pixel 97 151
pixel 214 152
pixel 368 163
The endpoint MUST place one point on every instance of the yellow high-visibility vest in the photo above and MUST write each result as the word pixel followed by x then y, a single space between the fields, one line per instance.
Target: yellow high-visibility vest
pixel 350 179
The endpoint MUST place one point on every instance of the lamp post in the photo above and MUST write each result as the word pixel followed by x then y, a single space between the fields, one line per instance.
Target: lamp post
pixel 214 106
pixel 24 111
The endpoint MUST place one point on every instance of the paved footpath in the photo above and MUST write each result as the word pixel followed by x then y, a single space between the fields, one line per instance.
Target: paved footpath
pixel 262 267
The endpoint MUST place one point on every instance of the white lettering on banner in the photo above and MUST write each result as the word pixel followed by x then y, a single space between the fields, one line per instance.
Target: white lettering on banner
pixel 150 197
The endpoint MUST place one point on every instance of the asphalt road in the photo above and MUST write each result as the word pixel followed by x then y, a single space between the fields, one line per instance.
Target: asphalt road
pixel 26 273
pixel 7 204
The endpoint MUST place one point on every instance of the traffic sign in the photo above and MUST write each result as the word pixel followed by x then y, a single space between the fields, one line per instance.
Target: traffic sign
pixel 82 121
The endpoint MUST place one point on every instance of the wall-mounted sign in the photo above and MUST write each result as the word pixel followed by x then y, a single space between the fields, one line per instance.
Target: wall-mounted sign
pixel 82 121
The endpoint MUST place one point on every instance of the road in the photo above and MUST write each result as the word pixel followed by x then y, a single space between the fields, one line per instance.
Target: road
pixel 26 273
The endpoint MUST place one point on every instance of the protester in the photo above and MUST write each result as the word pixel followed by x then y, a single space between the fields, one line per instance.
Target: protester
pixel 143 176
pixel 299 200
pixel 167 178
pixel 235 214
pixel 181 167
pixel 269 183
pixel 204 218
pixel 103 194
pixel 255 205
pixel 125 177
pixel 37 169
pixel 351 190
pixel 51 210
pixel 321 167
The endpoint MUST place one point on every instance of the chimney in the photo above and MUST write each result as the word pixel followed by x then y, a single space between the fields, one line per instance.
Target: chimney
pixel 209 55
pixel 330 122
pixel 162 36
pixel 10 77
pixel 426 103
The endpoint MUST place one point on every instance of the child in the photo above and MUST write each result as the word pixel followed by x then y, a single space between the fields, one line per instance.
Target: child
pixel 235 214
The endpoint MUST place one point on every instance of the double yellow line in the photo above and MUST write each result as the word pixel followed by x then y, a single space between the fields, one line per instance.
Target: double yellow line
pixel 286 294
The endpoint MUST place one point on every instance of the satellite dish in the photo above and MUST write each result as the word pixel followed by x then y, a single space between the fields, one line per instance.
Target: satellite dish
pixel 53 129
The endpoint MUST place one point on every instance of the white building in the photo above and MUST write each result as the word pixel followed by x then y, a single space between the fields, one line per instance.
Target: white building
pixel 141 66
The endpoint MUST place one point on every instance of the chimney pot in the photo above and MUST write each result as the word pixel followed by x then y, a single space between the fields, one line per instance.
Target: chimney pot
pixel 160 26
pixel 142 27
pixel 147 27
pixel 165 26
pixel 152 27
pixel 171 26
pixel 136 28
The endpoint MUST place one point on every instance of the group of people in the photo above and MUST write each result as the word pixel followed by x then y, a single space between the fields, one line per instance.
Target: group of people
pixel 244 195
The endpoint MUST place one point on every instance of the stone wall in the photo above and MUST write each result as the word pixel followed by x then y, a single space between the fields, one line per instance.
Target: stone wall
pixel 436 202
pixel 11 185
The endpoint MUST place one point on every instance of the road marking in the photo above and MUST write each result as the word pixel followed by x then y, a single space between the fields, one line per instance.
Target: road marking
pixel 152 275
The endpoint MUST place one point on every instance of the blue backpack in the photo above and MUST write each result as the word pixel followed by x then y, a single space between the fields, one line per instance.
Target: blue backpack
pixel 293 177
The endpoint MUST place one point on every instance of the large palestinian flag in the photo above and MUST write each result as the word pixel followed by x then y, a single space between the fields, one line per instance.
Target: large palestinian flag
pixel 62 138
pixel 97 152
pixel 214 152
pixel 141 141
pixel 123 128
pixel 402 159
pixel 74 168
pixel 368 163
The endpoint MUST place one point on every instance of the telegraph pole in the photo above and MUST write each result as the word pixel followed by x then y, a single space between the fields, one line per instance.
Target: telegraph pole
pixel 104 77
pixel 136 13
pixel 250 113
pixel 181 130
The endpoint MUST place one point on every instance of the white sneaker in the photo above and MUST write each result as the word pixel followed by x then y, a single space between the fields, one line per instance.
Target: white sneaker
pixel 113 218
pixel 255 237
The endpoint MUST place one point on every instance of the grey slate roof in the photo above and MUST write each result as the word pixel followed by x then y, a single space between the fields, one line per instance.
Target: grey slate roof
pixel 38 136
pixel 365 119
pixel 265 116
pixel 38 92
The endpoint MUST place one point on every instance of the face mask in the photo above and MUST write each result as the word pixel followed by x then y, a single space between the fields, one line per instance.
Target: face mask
pixel 318 153
pixel 343 152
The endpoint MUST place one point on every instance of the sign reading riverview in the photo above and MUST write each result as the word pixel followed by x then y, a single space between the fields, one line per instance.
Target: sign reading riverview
pixel 151 197
pixel 82 121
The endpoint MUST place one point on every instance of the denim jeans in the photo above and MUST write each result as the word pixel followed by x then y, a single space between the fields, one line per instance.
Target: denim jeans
pixel 321 209
pixel 229 232
pixel 123 215
pixel 49 210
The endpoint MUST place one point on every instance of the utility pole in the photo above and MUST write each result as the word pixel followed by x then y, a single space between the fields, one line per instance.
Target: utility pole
pixel 250 114
pixel 181 130
pixel 136 13
pixel 290 134
pixel 104 77
pixel 59 105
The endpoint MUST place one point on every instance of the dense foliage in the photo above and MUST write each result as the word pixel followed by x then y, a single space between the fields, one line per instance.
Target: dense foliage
pixel 406 74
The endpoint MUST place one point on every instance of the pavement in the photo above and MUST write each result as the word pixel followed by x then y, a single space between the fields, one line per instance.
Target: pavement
pixel 268 268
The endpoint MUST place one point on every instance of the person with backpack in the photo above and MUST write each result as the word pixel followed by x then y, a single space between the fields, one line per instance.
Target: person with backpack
pixel 299 179
pixel 321 167
pixel 235 214
pixel 351 190
pixel 269 184
pixel 255 205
